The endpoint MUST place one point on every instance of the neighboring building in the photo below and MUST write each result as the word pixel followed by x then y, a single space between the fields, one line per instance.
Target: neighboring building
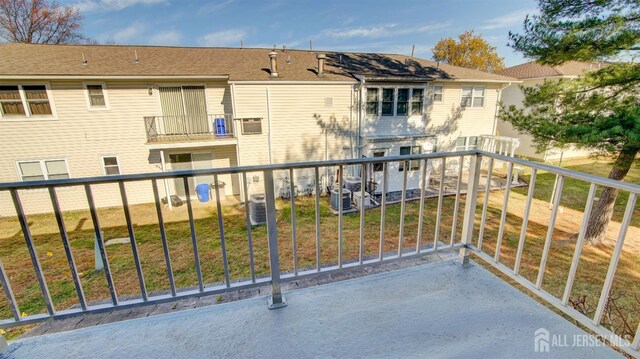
pixel 83 111
pixel 532 74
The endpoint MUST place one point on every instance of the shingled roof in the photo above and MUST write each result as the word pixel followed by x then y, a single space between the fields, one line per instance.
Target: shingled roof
pixel 237 64
pixel 534 69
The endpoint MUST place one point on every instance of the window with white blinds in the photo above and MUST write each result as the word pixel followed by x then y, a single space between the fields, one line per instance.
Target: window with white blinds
pixel 39 170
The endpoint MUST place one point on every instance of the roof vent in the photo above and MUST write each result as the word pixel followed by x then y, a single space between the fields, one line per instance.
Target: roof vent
pixel 273 59
pixel 84 59
pixel 321 59
pixel 135 57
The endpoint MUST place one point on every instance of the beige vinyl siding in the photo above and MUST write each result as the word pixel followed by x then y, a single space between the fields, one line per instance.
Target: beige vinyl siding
pixel 81 137
pixel 304 127
pixel 448 121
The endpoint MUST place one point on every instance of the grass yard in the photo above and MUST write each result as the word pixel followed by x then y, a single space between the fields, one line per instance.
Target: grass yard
pixel 590 276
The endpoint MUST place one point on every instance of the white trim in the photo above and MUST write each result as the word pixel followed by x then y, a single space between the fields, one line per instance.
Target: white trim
pixel 43 167
pixel 395 88
pixel 25 104
pixel 110 77
pixel 277 82
pixel 104 95
pixel 187 144
pixel 478 81
pixel 104 167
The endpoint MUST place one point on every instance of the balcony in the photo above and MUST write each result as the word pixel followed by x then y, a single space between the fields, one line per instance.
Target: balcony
pixel 188 128
pixel 442 287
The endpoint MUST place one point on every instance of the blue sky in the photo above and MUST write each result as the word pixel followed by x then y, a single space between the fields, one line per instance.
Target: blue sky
pixel 348 25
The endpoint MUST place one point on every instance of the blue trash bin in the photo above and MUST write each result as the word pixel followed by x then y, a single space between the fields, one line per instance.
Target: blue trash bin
pixel 203 192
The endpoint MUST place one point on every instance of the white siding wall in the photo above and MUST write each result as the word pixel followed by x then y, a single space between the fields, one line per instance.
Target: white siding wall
pixel 82 136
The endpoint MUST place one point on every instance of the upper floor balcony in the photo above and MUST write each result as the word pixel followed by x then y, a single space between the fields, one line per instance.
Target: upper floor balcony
pixel 189 128
pixel 492 242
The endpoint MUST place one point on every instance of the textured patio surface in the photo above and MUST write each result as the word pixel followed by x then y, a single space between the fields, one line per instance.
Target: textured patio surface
pixel 434 310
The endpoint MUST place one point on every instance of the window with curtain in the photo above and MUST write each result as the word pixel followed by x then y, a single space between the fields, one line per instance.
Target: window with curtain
pixel 96 96
pixel 10 101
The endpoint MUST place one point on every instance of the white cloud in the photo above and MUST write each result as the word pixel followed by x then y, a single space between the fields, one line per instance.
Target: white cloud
pixel 167 37
pixel 214 7
pixel 106 5
pixel 381 31
pixel 507 20
pixel 223 38
pixel 129 33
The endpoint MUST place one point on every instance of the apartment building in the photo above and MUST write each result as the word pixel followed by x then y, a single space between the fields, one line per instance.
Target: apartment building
pixel 85 111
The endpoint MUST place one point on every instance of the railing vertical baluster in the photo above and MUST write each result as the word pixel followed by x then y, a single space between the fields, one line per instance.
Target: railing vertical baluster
pixel 317 204
pixel 163 237
pixel 67 248
pixel 276 299
pixel 436 237
pixel 470 208
pixel 525 221
pixel 503 215
pixel 294 235
pixel 100 242
pixel 250 235
pixel 485 205
pixel 423 185
pixel 223 245
pixel 456 207
pixel 11 299
pixel 403 200
pixel 579 243
pixel 363 181
pixel 615 258
pixel 383 207
pixel 340 205
pixel 552 223
pixel 194 238
pixel 32 251
pixel 132 241
pixel 636 339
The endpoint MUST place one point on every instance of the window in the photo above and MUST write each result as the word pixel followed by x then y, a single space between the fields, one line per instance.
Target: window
pixel 10 101
pixel 466 143
pixel 416 101
pixel 410 150
pixel 24 101
pixel 403 102
pixel 472 97
pixel 251 126
pixel 378 166
pixel 43 170
pixel 438 93
pixel 96 96
pixel 372 101
pixel 110 165
pixel 387 102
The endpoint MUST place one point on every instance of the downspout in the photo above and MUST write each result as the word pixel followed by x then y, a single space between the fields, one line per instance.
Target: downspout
pixel 360 116
pixel 495 116
pixel 269 125
pixel 236 128
pixel 351 124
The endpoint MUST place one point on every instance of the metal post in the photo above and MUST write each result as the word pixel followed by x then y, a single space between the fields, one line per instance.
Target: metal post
pixel 276 299
pixel 163 237
pixel 383 208
pixel 340 205
pixel 470 209
pixel 403 206
pixel 317 195
pixel 294 235
pixel 248 221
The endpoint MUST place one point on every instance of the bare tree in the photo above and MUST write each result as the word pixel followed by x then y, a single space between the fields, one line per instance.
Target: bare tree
pixel 39 21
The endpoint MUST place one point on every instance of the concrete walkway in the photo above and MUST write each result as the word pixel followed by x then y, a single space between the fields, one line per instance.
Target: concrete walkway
pixel 436 310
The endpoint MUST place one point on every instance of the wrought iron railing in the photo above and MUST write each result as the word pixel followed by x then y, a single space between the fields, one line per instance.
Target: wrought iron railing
pixel 160 128
pixel 472 182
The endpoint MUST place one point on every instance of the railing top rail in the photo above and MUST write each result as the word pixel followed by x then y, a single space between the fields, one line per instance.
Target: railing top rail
pixel 221 171
pixel 630 187
pixel 300 165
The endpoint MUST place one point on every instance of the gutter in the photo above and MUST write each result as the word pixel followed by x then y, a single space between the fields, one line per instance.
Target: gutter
pixel 362 80
pixel 495 116
pixel 111 77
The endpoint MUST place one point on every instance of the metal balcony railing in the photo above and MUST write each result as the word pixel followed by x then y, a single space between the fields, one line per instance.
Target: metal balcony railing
pixel 161 128
pixel 468 243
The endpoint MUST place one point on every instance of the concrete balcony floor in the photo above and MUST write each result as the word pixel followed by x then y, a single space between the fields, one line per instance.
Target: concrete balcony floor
pixel 434 310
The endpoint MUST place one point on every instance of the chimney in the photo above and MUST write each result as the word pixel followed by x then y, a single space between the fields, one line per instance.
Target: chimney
pixel 273 59
pixel 321 58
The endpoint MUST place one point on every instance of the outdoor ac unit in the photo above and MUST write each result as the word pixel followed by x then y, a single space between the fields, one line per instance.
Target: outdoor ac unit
pixel 352 183
pixel 346 199
pixel 357 197
pixel 258 209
